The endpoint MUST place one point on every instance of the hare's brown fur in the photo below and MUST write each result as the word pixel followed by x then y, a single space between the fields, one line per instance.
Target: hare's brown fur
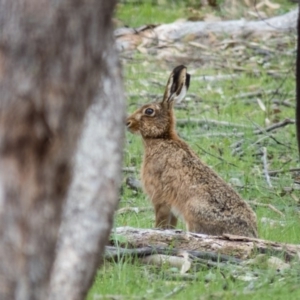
pixel 179 184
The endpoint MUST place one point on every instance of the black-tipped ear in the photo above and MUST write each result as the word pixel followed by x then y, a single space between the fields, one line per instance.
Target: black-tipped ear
pixel 177 86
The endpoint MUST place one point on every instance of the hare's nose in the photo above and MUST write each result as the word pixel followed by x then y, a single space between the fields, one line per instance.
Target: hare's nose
pixel 128 123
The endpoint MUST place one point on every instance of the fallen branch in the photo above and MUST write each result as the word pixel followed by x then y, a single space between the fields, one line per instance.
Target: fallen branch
pixel 291 170
pixel 274 126
pixel 258 93
pixel 129 169
pixel 136 210
pixel 166 34
pixel 219 77
pixel 114 297
pixel 117 253
pixel 176 290
pixel 230 245
pixel 267 205
pixel 183 122
pixel 182 260
pixel 215 156
pixel 221 134
pixel 133 183
pixel 284 102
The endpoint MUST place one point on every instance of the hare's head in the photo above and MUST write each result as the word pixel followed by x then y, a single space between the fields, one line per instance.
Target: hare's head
pixel 156 120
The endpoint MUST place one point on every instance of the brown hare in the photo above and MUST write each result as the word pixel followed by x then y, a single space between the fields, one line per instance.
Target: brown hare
pixel 177 181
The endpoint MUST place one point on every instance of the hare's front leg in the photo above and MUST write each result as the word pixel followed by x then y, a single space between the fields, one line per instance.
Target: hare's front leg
pixel 164 217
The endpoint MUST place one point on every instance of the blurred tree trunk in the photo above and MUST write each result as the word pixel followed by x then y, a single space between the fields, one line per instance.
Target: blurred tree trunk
pixel 298 83
pixel 53 54
pixel 93 194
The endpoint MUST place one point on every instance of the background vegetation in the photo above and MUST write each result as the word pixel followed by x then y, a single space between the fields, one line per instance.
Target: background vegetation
pixel 248 83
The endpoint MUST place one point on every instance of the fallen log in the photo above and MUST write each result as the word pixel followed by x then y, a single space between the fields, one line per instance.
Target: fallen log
pixel 235 246
pixel 162 35
pixel 117 253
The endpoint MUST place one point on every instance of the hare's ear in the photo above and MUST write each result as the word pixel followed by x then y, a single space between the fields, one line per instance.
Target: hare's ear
pixel 177 86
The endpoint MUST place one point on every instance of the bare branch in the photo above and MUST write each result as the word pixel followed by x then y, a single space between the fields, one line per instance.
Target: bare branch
pixel 267 205
pixel 183 122
pixel 275 172
pixel 274 126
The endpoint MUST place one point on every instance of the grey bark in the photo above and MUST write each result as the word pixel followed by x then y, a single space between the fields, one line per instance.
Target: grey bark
pixel 238 246
pixel 52 56
pixel 93 194
pixel 297 111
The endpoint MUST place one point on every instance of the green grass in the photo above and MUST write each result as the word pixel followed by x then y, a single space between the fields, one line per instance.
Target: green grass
pixel 145 77
pixel 135 281
pixel 145 13
pixel 134 13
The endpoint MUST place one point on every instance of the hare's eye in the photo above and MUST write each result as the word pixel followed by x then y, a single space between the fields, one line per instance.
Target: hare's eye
pixel 149 111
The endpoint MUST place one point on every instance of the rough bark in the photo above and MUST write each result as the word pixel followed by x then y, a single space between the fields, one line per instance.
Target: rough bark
pixel 93 195
pixel 231 245
pixel 298 83
pixel 162 35
pixel 52 54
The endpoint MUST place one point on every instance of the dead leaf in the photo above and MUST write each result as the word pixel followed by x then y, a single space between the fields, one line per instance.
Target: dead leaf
pixel 267 122
pixel 277 263
pixel 187 263
pixel 258 14
pixel 295 198
pixel 247 277
pixel 248 3
pixel 211 18
pixel 198 45
pixel 272 5
pixel 275 109
pixel 182 263
pixel 261 104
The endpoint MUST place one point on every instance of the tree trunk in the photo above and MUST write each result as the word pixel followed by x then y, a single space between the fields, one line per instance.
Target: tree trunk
pixel 93 194
pixel 52 56
pixel 298 83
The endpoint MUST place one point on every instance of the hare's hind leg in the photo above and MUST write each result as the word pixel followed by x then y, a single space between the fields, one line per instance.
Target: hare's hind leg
pixel 172 220
pixel 164 217
pixel 194 226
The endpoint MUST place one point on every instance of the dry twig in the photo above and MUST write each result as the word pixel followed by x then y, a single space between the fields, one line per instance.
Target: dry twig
pixel 267 205
pixel 129 169
pixel 291 170
pixel 265 163
pixel 176 290
pixel 221 134
pixel 183 122
pixel 274 126
pixel 136 210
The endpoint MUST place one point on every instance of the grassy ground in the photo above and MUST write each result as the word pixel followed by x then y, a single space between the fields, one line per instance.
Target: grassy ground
pixel 272 73
pixel 134 13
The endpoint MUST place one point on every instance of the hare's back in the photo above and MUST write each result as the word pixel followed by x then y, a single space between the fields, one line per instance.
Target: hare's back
pixel 180 169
